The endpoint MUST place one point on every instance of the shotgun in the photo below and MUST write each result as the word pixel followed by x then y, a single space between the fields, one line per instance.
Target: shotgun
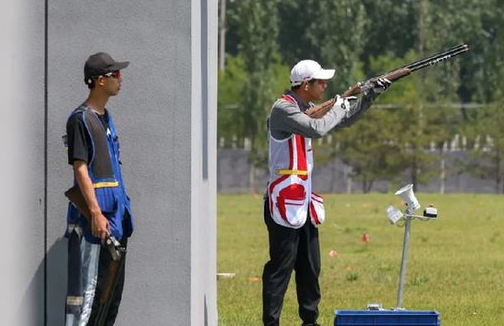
pixel 393 75
pixel 75 196
pixel 404 71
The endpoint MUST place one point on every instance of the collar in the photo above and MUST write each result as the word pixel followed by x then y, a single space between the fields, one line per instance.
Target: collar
pixel 303 105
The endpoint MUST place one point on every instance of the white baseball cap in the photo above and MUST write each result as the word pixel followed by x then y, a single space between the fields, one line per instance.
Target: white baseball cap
pixel 306 70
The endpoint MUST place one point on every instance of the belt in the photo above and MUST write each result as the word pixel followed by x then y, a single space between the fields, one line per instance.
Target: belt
pixel 106 184
pixel 292 172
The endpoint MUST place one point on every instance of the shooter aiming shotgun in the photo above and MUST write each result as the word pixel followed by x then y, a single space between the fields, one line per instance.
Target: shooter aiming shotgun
pixel 393 75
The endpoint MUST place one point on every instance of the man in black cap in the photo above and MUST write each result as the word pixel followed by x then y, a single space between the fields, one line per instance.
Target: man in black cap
pixel 98 227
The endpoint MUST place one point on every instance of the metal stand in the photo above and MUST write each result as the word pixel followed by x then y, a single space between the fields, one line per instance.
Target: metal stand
pixel 404 260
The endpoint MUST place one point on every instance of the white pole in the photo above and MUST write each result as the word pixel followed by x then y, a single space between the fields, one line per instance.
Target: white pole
pixel 222 36
pixel 404 260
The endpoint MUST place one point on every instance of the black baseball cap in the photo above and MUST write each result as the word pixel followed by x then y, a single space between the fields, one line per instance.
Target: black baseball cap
pixel 99 64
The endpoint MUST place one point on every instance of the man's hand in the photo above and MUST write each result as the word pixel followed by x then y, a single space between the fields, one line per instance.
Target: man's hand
pixel 379 85
pixel 343 103
pixel 99 226
pixel 99 223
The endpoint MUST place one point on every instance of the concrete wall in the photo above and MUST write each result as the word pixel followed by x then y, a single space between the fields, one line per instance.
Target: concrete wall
pixel 233 175
pixel 166 117
pixel 21 167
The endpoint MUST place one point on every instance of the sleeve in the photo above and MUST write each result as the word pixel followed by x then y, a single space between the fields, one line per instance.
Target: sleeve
pixel 79 141
pixel 357 109
pixel 286 119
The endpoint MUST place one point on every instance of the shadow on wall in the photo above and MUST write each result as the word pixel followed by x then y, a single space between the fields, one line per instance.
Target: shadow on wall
pixel 31 311
pixel 206 312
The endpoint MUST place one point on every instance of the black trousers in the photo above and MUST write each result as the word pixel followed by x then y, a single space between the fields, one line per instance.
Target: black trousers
pixel 93 275
pixel 109 288
pixel 291 249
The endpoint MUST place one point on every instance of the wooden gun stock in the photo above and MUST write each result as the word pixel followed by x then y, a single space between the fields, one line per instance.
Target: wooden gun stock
pixel 392 76
pixel 75 196
pixel 318 111
pixel 397 74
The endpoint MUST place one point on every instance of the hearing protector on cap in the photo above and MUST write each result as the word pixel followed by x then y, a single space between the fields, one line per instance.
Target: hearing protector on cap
pixel 91 80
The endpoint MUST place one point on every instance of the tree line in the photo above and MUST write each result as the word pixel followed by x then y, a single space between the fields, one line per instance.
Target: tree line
pixel 361 39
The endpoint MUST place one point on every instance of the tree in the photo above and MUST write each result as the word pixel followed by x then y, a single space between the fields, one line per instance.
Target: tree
pixel 487 65
pixel 387 142
pixel 258 33
pixel 230 126
pixel 293 22
pixel 390 29
pixel 419 124
pixel 487 147
pixel 335 38
pixel 371 149
pixel 232 83
pixel 446 83
pixel 266 38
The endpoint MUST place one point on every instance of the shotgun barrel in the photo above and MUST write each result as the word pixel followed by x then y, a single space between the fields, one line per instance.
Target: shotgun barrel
pixel 398 73
pixel 393 75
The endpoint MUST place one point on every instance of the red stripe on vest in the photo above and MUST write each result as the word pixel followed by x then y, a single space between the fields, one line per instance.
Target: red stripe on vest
pixel 313 214
pixel 271 186
pixel 289 98
pixel 291 154
pixel 294 192
pixel 317 198
pixel 302 165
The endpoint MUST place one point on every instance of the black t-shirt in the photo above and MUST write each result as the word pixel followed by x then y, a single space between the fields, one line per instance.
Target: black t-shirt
pixel 79 140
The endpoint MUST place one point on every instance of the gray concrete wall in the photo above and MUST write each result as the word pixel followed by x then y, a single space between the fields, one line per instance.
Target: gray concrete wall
pixel 21 168
pixel 165 115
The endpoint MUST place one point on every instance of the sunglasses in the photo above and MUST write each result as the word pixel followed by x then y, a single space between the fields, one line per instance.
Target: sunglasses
pixel 114 74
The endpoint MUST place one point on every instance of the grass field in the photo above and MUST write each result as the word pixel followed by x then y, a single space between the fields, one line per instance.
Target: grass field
pixel 455 265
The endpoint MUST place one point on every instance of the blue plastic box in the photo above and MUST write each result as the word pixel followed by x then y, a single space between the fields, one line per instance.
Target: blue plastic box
pixel 386 318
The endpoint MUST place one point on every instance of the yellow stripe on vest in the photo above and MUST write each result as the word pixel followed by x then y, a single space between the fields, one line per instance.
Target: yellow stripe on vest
pixel 106 184
pixel 292 172
pixel 74 301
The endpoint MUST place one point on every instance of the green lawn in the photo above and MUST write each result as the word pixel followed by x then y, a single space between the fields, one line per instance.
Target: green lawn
pixel 455 265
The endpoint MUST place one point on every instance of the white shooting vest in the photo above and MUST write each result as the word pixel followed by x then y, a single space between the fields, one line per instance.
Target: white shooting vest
pixel 289 189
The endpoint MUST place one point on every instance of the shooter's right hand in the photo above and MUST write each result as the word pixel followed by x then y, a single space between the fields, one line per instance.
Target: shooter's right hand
pixel 99 226
pixel 342 103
